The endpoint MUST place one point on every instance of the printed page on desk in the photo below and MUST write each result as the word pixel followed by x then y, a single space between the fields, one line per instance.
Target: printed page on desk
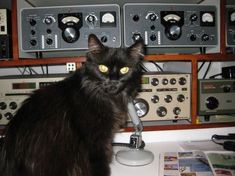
pixel 223 163
pixel 192 163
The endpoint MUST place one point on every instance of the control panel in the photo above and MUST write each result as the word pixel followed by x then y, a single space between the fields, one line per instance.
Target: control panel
pixel 67 28
pixel 14 90
pixel 5 21
pixel 230 25
pixel 216 96
pixel 164 96
pixel 170 25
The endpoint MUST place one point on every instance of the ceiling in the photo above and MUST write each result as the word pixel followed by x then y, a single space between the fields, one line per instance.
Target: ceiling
pixel 37 3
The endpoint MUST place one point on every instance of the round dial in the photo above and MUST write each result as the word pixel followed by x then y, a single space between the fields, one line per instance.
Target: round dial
pixel 212 103
pixel 70 35
pixel 232 17
pixel 141 107
pixel 207 17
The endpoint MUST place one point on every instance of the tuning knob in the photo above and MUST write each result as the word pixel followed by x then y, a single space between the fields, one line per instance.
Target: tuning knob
pixel 141 107
pixel 212 103
pixel 70 35
pixel 173 32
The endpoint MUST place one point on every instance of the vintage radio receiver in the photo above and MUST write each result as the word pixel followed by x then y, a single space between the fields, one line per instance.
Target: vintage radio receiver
pixel 216 96
pixel 230 25
pixel 164 96
pixel 170 25
pixel 67 28
pixel 5 34
pixel 14 90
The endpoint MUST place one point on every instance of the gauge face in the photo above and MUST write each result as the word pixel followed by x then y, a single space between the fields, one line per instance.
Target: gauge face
pixel 171 17
pixel 207 18
pixel 232 17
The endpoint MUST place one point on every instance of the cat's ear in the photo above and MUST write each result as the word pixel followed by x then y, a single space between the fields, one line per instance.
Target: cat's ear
pixel 137 50
pixel 94 44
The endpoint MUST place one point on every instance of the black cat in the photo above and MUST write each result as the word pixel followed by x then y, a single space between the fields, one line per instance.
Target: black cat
pixel 66 129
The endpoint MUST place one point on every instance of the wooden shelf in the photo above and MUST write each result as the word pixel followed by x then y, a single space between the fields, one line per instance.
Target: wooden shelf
pixel 160 57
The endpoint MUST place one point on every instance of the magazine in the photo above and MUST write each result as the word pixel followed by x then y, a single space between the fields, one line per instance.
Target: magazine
pixel 197 163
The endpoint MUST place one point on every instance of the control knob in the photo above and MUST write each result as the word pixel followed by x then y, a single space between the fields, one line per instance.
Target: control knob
pixel 193 37
pixel 205 37
pixel 13 105
pixel 91 19
pixel 32 22
pixel 141 107
pixel 49 20
pixel 8 115
pixel 161 111
pixel 176 110
pixel 3 105
pixel 155 99
pixel 180 98
pixel 173 32
pixel 193 17
pixel 70 35
pixel 154 81
pixel 151 16
pixel 212 103
pixel 182 81
pixel 168 98
pixel 136 37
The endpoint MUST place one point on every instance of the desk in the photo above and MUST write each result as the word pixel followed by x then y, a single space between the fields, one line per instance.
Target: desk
pixel 163 141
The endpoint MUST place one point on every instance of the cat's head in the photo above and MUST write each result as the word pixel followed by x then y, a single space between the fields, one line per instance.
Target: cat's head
pixel 114 70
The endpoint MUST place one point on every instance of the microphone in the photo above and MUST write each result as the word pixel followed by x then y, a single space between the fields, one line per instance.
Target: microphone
pixel 135 156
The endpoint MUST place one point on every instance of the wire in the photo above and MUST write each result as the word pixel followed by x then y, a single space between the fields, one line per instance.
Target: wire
pixel 207 70
pixel 213 137
pixel 144 69
pixel 199 69
pixel 213 76
pixel 156 65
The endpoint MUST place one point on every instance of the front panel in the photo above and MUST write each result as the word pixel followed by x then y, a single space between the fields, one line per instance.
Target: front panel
pixel 170 25
pixel 67 28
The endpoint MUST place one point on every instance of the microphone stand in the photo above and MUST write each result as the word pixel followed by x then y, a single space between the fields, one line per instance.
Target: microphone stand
pixel 135 155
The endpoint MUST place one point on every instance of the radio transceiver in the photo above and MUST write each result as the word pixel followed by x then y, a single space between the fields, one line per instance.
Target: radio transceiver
pixel 164 96
pixel 216 96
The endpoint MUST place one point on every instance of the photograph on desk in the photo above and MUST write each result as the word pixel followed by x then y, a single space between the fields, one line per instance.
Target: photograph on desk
pixel 197 163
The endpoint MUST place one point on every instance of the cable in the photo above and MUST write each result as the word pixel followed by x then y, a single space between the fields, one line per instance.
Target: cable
pixel 213 76
pixel 207 70
pixel 144 69
pixel 199 69
pixel 156 65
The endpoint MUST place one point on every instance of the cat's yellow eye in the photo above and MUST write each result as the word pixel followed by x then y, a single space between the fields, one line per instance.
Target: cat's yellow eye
pixel 124 70
pixel 103 68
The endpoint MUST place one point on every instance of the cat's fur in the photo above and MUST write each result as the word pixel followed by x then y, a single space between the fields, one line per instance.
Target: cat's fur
pixel 66 129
